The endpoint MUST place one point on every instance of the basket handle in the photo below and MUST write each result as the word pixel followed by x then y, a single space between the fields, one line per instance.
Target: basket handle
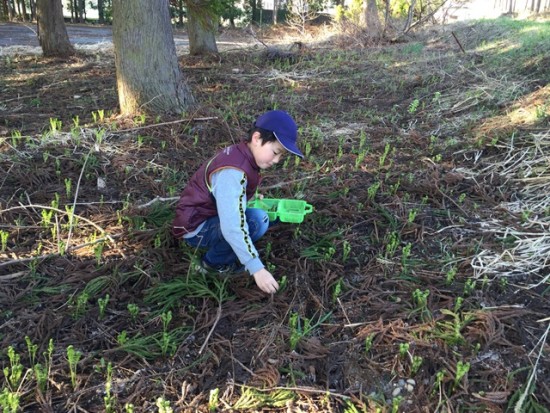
pixel 308 208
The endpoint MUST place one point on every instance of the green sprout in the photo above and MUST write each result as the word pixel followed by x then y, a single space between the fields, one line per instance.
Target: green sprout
pixel 301 328
pixel 439 376
pixel 461 370
pixel 416 364
pixel 412 215
pixel 420 299
pixel 98 252
pixel 369 341
pixel 395 403
pixel 450 276
pixel 346 250
pixel 73 357
pixel 55 125
pixel 383 157
pixel 403 349
pixel 337 289
pixel 14 372
pixel 9 401
pixel 68 186
pixel 372 190
pixel 109 400
pixel 213 400
pixel 163 405
pixel 413 106
pixel 102 303
pixel 133 309
pixel 16 137
pixel 469 286
pixel 4 240
pixel 406 253
pixel 32 349
pixel 81 305
pixel 392 242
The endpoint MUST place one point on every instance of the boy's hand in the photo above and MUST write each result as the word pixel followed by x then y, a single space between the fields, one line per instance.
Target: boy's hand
pixel 265 281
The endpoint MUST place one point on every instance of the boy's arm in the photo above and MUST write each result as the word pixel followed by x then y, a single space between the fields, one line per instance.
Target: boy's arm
pixel 229 190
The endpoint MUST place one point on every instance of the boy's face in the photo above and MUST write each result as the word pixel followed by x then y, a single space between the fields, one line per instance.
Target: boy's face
pixel 268 154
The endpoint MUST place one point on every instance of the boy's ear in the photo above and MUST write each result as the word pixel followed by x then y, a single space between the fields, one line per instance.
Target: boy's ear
pixel 256 138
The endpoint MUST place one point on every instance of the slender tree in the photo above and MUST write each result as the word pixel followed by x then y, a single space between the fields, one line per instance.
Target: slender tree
pixel 202 24
pixel 52 33
pixel 5 9
pixel 32 4
pixel 147 71
pixel 101 11
pixel 23 10
pixel 372 19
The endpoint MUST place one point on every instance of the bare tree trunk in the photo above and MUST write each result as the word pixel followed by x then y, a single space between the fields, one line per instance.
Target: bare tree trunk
pixel 74 12
pixel 386 16
pixel 11 11
pixel 101 11
pixel 17 8
pixel 148 76
pixel 201 29
pixel 275 11
pixel 180 12
pixel 81 11
pixel 23 10
pixel 52 33
pixel 372 19
pixel 32 4
pixel 410 16
pixel 5 9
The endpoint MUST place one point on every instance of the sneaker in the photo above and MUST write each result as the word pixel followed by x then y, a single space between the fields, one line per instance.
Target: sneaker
pixel 226 269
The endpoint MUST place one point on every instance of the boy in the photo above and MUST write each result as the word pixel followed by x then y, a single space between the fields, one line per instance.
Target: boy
pixel 212 211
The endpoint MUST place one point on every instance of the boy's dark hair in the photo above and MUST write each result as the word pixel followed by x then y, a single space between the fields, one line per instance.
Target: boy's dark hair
pixel 266 135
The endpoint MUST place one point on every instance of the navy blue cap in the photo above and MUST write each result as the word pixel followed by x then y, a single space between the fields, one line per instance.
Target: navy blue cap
pixel 283 127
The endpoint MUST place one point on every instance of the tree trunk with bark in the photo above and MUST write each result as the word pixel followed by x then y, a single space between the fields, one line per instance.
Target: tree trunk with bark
pixel 201 29
pixel 23 10
pixel 148 76
pixel 101 11
pixel 372 19
pixel 32 5
pixel 5 9
pixel 180 12
pixel 52 33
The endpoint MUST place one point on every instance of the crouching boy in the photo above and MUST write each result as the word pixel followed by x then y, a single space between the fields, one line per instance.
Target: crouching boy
pixel 212 211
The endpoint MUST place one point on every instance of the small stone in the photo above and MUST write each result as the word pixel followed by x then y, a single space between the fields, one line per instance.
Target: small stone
pixel 411 382
pixel 396 392
pixel 409 387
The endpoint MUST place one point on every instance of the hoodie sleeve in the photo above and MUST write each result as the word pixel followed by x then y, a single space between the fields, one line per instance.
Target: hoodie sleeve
pixel 229 190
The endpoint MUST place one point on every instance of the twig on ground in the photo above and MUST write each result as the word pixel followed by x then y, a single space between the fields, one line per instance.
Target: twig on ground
pixel 218 316
pixel 157 199
pixel 166 123
pixel 56 254
pixel 93 224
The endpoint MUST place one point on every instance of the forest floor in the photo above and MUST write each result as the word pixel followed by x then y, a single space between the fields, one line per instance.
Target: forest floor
pixel 419 283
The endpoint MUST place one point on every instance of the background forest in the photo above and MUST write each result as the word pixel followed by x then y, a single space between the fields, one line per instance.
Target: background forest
pixel 419 283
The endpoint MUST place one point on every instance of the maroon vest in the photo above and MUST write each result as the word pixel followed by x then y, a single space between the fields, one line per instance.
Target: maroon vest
pixel 196 203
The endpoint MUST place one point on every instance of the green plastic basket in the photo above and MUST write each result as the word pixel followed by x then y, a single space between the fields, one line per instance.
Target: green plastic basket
pixel 268 205
pixel 287 210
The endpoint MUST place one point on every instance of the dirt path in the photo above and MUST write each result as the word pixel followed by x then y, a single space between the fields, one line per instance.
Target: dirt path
pixel 25 34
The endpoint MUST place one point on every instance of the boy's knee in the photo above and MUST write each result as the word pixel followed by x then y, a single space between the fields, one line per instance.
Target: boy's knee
pixel 258 222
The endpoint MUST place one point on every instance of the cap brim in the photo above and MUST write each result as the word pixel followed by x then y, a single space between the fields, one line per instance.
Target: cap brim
pixel 291 147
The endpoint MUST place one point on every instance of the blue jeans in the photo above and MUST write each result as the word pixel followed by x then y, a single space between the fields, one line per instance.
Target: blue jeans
pixel 219 251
